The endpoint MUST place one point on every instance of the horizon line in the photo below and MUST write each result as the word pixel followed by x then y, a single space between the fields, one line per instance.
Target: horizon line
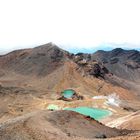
pixel 71 49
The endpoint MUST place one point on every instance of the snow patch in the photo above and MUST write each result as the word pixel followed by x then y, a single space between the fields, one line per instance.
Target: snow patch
pixel 112 99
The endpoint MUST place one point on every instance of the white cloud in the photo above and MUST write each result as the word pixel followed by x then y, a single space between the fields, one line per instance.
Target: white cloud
pixel 80 23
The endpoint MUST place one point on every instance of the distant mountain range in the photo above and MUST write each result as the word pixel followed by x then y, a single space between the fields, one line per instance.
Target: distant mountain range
pixel 42 60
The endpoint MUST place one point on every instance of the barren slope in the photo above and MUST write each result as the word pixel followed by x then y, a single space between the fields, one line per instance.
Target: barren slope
pixel 45 125
pixel 125 64
pixel 32 79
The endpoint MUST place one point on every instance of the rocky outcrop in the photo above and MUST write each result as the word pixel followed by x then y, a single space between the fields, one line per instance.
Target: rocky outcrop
pixel 74 97
pixel 90 67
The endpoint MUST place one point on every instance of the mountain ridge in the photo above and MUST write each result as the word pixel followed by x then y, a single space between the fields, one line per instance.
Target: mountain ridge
pixel 43 59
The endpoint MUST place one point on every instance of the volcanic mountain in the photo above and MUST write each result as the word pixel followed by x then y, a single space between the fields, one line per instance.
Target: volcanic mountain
pixel 32 79
pixel 41 60
pixel 49 67
pixel 125 64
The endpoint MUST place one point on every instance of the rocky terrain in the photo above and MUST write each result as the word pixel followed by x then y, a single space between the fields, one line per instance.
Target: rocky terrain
pixel 124 64
pixel 32 79
pixel 55 125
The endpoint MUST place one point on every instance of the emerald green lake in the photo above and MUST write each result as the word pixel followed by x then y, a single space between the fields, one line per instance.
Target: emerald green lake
pixel 68 93
pixel 95 113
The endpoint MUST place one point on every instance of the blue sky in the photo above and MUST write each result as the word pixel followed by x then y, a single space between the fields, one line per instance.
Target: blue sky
pixel 94 49
pixel 75 25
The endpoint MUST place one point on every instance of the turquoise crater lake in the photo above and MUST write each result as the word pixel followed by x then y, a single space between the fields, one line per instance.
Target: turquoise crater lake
pixel 95 113
pixel 68 93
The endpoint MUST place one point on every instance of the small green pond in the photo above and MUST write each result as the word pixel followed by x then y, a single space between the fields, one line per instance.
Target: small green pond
pixel 68 93
pixel 95 113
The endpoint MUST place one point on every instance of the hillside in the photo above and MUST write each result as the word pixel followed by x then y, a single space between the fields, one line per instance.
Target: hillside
pixel 54 125
pixel 119 67
pixel 124 64
pixel 131 122
pixel 33 79
pixel 41 60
